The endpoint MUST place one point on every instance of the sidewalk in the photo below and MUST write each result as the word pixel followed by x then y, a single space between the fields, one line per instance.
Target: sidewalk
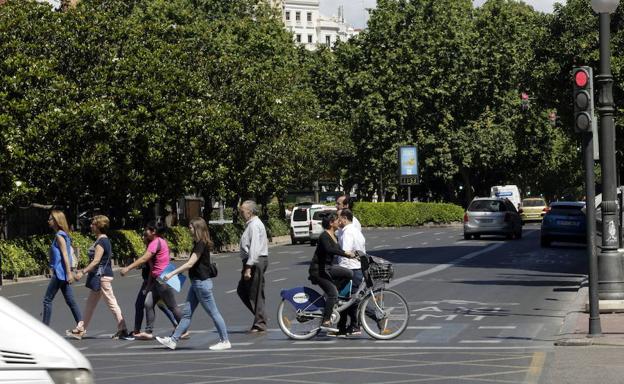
pixel 575 330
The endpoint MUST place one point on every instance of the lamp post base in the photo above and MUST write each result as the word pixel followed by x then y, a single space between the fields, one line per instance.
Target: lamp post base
pixel 610 282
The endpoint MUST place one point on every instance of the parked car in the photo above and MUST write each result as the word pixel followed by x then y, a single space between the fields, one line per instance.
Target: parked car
pixel 533 209
pixel 300 221
pixel 492 216
pixel 564 221
pixel 31 352
pixel 316 228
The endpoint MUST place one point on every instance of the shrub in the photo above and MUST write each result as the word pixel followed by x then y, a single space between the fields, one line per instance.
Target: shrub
pixel 406 214
pixel 16 261
pixel 180 240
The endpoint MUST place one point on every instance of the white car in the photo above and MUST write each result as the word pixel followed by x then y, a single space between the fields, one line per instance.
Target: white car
pixel 32 353
pixel 301 221
pixel 315 223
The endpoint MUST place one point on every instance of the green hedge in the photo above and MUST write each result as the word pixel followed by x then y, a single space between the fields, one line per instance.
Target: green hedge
pixel 406 214
pixel 29 256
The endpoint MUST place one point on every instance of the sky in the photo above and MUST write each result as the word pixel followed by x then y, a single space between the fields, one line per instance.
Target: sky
pixel 356 15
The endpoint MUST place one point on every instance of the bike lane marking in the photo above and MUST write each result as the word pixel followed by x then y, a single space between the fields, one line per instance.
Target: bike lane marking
pixel 444 266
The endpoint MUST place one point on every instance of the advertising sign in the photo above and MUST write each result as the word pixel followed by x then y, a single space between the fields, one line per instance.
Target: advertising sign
pixel 408 165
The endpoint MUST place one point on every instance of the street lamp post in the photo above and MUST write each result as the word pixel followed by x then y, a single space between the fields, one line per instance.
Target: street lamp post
pixel 610 272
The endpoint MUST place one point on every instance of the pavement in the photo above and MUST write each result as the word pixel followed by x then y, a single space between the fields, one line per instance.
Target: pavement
pixel 575 329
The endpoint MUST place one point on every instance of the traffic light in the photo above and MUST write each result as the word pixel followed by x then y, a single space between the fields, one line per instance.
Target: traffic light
pixel 583 94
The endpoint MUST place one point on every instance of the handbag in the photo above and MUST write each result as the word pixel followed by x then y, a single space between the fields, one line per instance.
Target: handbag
pixel 212 269
pixel 94 281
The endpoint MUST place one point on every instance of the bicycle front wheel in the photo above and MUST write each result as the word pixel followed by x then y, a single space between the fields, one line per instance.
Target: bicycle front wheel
pixel 298 326
pixel 384 314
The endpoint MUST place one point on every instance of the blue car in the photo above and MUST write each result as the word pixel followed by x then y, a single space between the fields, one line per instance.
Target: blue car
pixel 564 221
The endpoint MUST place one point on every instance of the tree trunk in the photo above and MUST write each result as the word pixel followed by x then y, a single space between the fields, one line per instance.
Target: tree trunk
pixel 468 195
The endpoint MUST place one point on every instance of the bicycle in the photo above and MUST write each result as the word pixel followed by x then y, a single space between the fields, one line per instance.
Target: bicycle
pixel 382 312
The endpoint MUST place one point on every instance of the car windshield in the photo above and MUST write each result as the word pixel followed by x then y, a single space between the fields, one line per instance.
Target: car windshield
pixel 300 215
pixel 533 203
pixel 487 206
pixel 567 210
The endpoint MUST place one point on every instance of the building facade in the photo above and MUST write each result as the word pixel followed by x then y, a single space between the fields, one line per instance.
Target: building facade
pixel 310 28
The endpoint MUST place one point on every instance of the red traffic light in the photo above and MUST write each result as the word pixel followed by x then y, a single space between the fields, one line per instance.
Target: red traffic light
pixel 581 78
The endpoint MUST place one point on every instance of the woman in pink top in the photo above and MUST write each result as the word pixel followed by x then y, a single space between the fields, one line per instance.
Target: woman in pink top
pixel 157 255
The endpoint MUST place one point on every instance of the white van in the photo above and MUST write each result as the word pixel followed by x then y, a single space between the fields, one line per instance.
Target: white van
pixel 510 192
pixel 31 352
pixel 301 221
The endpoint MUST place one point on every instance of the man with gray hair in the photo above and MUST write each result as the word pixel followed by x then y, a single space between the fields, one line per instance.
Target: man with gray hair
pixel 254 252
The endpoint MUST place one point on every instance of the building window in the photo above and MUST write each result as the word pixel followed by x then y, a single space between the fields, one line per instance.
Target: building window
pixel 309 17
pixel 298 38
pixel 287 15
pixel 309 39
pixel 328 40
pixel 297 16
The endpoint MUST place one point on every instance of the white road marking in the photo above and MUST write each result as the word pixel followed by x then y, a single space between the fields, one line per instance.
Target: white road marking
pixel 306 347
pixel 438 233
pixel 497 327
pixel 425 243
pixel 275 281
pixel 23 294
pixel 231 291
pixel 413 234
pixel 302 257
pixel 275 262
pixel 425 327
pixel 290 252
pixel 442 267
pixel 381 246
pixel 479 341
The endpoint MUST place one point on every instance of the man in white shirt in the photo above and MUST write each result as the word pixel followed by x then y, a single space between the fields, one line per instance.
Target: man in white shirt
pixel 346 202
pixel 351 240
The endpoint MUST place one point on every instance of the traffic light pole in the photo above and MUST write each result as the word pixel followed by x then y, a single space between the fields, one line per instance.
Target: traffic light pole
pixel 590 193
pixel 610 272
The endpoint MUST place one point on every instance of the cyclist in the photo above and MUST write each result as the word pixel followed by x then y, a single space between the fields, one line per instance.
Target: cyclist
pixel 324 273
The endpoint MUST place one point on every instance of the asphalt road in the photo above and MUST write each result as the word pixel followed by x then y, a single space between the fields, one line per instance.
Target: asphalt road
pixel 482 311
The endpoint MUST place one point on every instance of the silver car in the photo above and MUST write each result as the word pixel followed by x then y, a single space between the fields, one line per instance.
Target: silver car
pixel 492 216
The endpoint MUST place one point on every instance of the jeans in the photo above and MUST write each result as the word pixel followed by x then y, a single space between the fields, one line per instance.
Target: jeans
pixel 68 293
pixel 351 312
pixel 200 292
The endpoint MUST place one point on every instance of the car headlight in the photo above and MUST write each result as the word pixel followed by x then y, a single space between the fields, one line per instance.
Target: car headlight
pixel 71 376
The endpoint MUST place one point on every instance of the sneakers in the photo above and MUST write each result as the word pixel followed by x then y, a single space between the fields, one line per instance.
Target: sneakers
pixel 123 334
pixel 354 331
pixel 220 346
pixel 167 342
pixel 337 334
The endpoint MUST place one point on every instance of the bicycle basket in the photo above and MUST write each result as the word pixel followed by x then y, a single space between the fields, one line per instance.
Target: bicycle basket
pixel 380 270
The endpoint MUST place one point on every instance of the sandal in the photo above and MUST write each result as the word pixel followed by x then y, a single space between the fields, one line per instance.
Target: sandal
pixel 76 333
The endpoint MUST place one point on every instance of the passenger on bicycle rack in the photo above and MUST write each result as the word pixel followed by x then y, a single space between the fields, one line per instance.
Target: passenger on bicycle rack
pixel 323 272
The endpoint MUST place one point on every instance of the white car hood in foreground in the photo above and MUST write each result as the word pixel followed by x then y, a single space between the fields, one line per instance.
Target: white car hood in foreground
pixel 27 343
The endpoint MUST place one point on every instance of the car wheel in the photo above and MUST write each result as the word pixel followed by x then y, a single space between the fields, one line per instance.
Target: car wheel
pixel 544 242
pixel 313 243
pixel 293 241
pixel 477 237
pixel 467 236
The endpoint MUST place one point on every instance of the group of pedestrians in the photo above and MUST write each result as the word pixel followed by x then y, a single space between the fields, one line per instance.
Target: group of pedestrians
pixel 154 289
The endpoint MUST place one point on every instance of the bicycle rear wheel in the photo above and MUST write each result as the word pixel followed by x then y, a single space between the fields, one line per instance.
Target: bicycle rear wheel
pixel 298 326
pixel 384 314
